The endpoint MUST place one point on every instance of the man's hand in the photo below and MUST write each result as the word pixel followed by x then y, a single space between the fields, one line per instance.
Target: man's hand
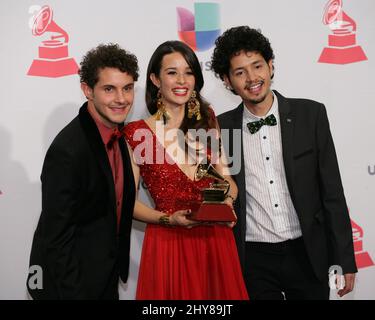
pixel 349 284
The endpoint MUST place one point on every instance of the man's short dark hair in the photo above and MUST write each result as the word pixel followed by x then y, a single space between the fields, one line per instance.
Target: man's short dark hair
pixel 107 56
pixel 235 40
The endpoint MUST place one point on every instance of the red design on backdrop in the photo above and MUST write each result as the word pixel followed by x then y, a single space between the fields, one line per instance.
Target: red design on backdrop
pixel 362 258
pixel 53 60
pixel 342 48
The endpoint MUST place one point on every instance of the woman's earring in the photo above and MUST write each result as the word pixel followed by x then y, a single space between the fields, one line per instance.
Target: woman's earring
pixel 161 113
pixel 194 107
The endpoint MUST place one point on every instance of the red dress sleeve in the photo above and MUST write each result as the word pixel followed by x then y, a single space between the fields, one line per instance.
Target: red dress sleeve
pixel 140 138
pixel 130 133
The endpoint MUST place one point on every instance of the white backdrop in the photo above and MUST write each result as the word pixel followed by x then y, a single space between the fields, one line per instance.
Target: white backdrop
pixel 33 109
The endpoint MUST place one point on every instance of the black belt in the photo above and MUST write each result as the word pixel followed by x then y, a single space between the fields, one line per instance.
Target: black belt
pixel 275 247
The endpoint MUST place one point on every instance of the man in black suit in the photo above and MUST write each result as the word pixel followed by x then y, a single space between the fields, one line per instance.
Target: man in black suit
pixel 293 221
pixel 82 240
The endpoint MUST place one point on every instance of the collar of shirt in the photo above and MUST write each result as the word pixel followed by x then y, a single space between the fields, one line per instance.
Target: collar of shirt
pixel 250 117
pixel 105 132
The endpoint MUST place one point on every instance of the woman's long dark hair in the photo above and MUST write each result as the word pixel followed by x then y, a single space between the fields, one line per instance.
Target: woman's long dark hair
pixel 207 121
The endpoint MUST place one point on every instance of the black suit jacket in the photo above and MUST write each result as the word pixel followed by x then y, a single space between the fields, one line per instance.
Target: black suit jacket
pixel 313 180
pixel 76 242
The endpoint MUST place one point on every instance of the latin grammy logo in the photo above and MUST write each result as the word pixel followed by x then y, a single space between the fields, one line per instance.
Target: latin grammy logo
pixel 53 60
pixel 362 257
pixel 342 48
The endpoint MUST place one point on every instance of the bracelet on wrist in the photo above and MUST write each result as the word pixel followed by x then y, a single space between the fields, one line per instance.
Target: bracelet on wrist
pixel 230 196
pixel 164 220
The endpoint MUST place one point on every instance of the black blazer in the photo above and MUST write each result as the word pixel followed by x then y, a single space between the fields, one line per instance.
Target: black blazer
pixel 313 179
pixel 76 241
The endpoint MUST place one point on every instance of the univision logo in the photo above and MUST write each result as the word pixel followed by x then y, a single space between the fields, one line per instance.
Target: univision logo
pixel 371 170
pixel 199 30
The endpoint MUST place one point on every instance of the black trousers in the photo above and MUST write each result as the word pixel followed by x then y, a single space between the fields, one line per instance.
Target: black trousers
pixel 111 290
pixel 278 271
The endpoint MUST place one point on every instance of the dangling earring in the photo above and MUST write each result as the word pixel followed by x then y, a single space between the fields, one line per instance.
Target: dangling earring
pixel 194 107
pixel 161 113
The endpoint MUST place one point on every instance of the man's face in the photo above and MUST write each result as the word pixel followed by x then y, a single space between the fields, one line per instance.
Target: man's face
pixel 112 96
pixel 250 77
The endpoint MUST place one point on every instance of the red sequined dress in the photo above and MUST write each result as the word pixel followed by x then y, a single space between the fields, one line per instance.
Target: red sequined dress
pixel 176 262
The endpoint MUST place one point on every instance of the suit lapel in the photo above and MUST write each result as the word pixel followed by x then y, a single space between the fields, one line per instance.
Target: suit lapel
pixel 96 144
pixel 128 197
pixel 287 119
pixel 237 124
pixel 237 117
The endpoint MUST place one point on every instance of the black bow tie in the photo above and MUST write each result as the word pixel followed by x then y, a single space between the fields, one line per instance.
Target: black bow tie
pixel 256 125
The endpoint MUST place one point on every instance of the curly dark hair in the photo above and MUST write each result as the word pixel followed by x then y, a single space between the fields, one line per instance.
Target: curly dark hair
pixel 235 40
pixel 107 56
pixel 154 67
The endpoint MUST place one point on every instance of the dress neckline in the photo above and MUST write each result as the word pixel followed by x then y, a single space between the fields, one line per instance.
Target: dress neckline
pixel 166 153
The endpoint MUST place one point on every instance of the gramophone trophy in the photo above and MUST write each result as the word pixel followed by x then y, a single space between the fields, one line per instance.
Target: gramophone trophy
pixel 213 207
pixel 342 48
pixel 53 58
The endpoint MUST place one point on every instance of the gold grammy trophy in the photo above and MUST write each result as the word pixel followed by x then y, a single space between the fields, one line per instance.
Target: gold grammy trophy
pixel 213 207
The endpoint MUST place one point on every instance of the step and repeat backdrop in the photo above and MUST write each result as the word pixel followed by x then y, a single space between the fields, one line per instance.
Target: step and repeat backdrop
pixel 324 50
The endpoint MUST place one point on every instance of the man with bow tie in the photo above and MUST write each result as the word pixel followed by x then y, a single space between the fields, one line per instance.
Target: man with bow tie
pixel 293 221
pixel 82 240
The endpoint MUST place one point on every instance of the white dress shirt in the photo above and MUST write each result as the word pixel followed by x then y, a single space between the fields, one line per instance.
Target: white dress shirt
pixel 270 214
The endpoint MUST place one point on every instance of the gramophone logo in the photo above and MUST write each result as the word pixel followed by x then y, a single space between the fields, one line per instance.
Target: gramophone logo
pixel 53 58
pixel 199 31
pixel 362 257
pixel 342 48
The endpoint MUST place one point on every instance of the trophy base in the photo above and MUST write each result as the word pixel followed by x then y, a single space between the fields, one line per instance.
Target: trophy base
pixel 342 55
pixel 213 212
pixel 53 68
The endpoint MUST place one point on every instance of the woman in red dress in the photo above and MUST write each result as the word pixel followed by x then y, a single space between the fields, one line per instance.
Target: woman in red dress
pixel 181 258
